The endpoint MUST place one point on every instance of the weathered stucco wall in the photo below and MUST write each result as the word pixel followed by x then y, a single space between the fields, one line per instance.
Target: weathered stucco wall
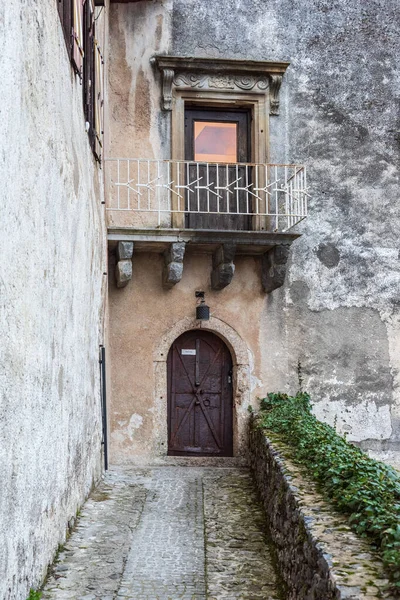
pixel 143 318
pixel 52 290
pixel 137 127
pixel 337 314
pixel 339 116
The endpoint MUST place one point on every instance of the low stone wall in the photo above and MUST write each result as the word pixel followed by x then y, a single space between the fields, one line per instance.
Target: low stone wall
pixel 320 558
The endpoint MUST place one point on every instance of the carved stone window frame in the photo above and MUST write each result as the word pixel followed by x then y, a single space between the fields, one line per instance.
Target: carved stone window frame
pixel 219 83
pixel 260 76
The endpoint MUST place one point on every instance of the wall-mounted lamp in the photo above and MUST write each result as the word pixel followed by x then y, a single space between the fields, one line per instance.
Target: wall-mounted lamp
pixel 202 310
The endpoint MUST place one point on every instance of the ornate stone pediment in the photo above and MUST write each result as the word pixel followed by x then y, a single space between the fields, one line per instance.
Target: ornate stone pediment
pixel 219 74
pixel 223 82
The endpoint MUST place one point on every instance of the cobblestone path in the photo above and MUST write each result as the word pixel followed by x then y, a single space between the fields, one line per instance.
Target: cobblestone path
pixel 167 533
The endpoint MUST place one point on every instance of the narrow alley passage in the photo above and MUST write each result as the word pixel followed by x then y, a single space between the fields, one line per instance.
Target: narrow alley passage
pixel 167 533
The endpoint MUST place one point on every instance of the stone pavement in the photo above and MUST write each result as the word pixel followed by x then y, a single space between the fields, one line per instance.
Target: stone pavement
pixel 167 533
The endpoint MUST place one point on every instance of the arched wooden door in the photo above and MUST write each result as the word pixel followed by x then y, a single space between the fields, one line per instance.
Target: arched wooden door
pixel 200 396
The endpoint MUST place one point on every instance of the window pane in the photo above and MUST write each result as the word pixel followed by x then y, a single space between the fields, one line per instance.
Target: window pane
pixel 215 142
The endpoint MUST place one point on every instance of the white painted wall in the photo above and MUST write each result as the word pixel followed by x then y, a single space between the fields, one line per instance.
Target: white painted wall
pixel 52 248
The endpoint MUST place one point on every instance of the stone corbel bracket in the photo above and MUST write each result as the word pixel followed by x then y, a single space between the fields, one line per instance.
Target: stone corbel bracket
pixel 223 266
pixel 167 77
pixel 216 74
pixel 275 82
pixel 173 264
pixel 123 269
pixel 274 267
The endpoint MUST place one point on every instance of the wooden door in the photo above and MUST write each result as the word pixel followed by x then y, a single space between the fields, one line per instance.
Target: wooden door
pixel 214 138
pixel 199 396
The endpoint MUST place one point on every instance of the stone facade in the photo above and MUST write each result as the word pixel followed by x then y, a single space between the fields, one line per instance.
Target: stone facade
pixel 318 554
pixel 336 316
pixel 52 292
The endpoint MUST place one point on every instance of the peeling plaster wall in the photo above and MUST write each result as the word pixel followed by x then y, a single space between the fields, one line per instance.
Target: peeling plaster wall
pixel 137 126
pixel 338 313
pixel 52 248
pixel 339 115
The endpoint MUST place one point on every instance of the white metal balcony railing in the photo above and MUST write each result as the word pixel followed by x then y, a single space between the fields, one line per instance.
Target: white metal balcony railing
pixel 162 193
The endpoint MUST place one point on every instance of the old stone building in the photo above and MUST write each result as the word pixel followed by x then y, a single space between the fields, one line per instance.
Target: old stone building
pixel 246 151
pixel 317 84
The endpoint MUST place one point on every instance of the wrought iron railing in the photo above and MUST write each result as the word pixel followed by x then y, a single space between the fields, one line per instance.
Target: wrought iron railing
pixel 167 193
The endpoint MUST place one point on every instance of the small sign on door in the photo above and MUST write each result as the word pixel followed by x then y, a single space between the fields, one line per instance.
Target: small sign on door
pixel 188 352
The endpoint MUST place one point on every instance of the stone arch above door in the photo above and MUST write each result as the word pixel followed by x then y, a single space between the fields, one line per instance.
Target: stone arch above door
pixel 241 377
pixel 233 340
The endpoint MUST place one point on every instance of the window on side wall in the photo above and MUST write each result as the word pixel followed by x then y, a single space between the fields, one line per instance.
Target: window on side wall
pixel 78 23
pixel 65 12
pixel 92 81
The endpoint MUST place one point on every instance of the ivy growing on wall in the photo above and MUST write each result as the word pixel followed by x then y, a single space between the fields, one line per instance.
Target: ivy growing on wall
pixel 34 595
pixel 366 490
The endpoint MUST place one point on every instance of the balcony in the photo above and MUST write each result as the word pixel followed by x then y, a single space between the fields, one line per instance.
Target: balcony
pixel 250 208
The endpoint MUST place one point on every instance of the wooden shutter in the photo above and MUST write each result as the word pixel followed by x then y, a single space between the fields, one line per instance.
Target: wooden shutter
pixel 60 6
pixel 99 98
pixel 93 81
pixel 77 33
pixel 65 13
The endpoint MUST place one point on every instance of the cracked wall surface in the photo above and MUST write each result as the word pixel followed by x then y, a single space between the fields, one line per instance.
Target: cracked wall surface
pixel 52 246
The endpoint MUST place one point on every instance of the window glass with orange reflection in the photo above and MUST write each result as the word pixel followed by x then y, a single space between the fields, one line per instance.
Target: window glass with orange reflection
pixel 215 142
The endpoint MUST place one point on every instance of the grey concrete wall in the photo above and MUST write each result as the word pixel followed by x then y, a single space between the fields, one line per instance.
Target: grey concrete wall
pixel 51 298
pixel 338 313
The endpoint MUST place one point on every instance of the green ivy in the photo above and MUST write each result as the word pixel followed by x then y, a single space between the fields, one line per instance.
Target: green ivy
pixel 34 595
pixel 366 490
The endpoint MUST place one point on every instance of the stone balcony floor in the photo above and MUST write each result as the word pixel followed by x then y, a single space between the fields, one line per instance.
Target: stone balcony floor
pixel 168 533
